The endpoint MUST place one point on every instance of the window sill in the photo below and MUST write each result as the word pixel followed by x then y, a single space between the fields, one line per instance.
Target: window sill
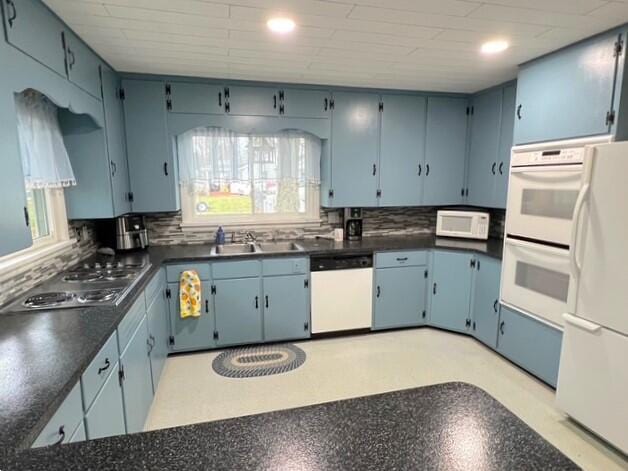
pixel 21 261
pixel 235 226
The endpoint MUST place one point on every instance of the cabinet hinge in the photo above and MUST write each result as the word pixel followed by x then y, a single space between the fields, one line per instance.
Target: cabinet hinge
pixel 467 323
pixel 168 104
pixel 171 340
pixel 425 274
pixel 473 327
pixel 381 106
pixel 213 289
pixel 306 283
pixel 168 89
pixel 121 94
pixel 281 95
pixel 472 263
pixel 478 265
pixel 306 326
pixel 332 104
pixel 227 107
pixel 331 193
pixel 610 117
pixel 462 192
pixel 131 197
pixel 215 335
pixel 121 376
pixel 168 295
pixel 378 193
pixel 226 92
pixel 619 47
pixel 282 108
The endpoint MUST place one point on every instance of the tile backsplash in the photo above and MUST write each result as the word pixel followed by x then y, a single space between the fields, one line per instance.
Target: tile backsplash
pixel 28 275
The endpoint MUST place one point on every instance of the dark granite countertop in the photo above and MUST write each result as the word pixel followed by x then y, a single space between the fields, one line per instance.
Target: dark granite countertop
pixel 43 354
pixel 444 426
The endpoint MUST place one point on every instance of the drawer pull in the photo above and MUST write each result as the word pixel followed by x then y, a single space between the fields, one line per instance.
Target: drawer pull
pixel 106 367
pixel 61 435
pixel 402 259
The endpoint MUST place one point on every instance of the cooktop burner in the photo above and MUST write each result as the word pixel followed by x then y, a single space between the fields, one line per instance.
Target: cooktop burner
pixel 82 277
pixel 98 295
pixel 49 299
pixel 117 274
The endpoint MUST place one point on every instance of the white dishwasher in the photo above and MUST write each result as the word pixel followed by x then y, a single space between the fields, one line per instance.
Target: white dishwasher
pixel 342 293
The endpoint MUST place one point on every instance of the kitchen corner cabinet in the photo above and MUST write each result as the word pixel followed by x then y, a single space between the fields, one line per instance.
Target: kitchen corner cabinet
pixel 354 149
pixel 533 345
pixel 191 333
pixel 450 300
pixel 568 93
pixel 445 150
pixel 105 417
pixel 400 297
pixel 286 307
pixel 485 300
pixel 402 156
pixel 152 167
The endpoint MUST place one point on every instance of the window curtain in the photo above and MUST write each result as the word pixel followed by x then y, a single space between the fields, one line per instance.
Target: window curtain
pixel 45 159
pixel 210 158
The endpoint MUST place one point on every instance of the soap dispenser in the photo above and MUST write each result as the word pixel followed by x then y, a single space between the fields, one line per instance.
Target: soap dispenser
pixel 220 236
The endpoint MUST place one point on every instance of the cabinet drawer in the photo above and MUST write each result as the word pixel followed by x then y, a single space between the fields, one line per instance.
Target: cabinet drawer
pixel 130 321
pixel 173 272
pixel 284 266
pixel 64 422
pixel 400 259
pixel 154 287
pixel 243 269
pixel 98 370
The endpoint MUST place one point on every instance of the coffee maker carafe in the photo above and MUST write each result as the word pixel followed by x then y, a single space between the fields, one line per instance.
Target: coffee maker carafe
pixel 353 223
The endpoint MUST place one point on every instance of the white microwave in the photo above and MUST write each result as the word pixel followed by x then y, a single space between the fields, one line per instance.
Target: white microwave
pixel 465 224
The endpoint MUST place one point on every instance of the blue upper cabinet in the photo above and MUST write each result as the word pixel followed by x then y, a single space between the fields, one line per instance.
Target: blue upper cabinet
pixel 116 145
pixel 507 124
pixel 354 149
pixel 252 101
pixel 296 103
pixel 445 150
pixel 152 167
pixel 33 29
pixel 486 110
pixel 568 93
pixel 200 98
pixel 402 150
pixel 82 64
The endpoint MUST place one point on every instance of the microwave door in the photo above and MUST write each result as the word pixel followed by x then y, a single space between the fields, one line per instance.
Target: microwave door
pixel 541 202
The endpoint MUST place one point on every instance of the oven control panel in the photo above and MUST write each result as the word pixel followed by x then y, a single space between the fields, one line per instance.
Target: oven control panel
pixel 574 155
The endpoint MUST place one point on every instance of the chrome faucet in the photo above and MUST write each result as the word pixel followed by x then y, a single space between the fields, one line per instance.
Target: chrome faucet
pixel 249 237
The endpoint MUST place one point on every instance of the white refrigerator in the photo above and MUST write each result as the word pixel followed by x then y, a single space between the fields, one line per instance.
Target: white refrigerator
pixel 593 375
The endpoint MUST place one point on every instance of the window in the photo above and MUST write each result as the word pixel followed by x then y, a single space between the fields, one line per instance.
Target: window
pixel 46 215
pixel 38 214
pixel 246 179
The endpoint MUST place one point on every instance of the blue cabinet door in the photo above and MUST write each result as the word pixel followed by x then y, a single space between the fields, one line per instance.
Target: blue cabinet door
pixel 116 146
pixel 105 417
pixel 505 145
pixel 191 333
pixel 31 28
pixel 305 103
pixel 402 150
pixel 137 386
pixel 445 150
pixel 485 305
pixel 83 65
pixel 157 315
pixel 202 98
pixel 253 101
pixel 354 149
pixel 152 169
pixel 568 93
pixel 286 307
pixel 483 167
pixel 400 297
pixel 531 344
pixel 16 233
pixel 451 290
pixel 238 305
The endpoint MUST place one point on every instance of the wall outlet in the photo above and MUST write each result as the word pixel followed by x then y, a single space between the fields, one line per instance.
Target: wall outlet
pixel 333 217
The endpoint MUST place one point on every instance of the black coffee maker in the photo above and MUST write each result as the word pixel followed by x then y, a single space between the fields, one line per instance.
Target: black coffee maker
pixel 353 223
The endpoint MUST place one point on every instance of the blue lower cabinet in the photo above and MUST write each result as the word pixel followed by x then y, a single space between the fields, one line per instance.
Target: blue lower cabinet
pixel 286 307
pixel 157 317
pixel 63 423
pixel 238 306
pixel 531 344
pixel 191 333
pixel 485 305
pixel 400 297
pixel 79 434
pixel 137 385
pixel 105 417
pixel 451 290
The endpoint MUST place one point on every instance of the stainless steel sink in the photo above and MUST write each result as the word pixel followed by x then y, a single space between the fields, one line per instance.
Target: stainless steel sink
pixel 280 247
pixel 234 249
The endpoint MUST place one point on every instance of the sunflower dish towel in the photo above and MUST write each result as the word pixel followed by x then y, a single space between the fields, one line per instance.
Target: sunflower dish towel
pixel 190 294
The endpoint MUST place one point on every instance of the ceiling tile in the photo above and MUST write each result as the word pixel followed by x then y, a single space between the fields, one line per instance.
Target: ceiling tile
pixel 442 7
pixel 577 7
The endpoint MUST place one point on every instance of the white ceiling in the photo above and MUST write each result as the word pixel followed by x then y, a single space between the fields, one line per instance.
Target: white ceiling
pixel 406 44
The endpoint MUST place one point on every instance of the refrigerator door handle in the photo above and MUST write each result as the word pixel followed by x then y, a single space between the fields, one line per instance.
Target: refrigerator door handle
pixel 576 266
pixel 581 323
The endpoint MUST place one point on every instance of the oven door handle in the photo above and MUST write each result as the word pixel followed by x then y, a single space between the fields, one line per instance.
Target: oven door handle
pixel 540 175
pixel 575 264
pixel 581 323
pixel 539 254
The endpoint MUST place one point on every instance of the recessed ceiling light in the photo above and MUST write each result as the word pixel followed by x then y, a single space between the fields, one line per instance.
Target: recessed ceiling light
pixel 493 47
pixel 281 25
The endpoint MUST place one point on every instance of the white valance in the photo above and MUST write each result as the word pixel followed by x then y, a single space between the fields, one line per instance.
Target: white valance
pixel 45 159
